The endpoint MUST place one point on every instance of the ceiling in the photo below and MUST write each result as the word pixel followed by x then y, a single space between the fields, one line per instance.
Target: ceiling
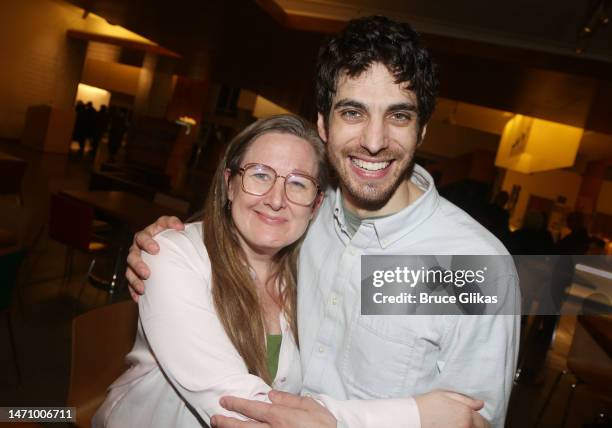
pixel 553 26
pixel 493 57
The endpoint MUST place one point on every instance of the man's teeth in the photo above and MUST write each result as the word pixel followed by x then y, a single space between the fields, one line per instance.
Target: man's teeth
pixel 370 166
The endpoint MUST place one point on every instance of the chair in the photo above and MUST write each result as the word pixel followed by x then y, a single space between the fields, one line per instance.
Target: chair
pixel 12 171
pixel 72 223
pixel 101 338
pixel 10 261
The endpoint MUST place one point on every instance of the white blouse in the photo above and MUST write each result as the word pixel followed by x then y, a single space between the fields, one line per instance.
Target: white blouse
pixel 183 361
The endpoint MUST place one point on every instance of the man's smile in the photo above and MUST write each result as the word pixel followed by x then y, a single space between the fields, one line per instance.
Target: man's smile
pixel 370 169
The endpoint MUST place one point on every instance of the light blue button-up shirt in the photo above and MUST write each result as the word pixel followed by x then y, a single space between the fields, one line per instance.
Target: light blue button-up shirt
pixel 350 356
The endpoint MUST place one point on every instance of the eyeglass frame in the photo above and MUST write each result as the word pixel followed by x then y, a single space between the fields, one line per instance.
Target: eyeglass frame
pixel 242 170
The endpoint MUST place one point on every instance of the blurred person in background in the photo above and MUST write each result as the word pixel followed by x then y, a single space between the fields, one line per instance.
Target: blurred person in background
pixel 117 129
pixel 533 237
pixel 79 133
pixel 497 217
pixel 100 128
pixel 577 241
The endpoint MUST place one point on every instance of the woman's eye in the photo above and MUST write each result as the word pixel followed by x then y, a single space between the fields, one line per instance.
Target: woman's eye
pixel 261 176
pixel 297 184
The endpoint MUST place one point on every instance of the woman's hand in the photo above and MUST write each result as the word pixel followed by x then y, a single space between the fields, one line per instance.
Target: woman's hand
pixel 137 271
pixel 440 409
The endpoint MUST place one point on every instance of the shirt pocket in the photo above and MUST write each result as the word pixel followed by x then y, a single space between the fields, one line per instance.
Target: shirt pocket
pixel 378 358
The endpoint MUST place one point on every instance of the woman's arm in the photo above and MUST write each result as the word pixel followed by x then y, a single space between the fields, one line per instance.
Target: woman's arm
pixel 186 337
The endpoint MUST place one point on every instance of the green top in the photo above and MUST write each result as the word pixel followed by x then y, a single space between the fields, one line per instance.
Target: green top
pixel 273 345
pixel 353 221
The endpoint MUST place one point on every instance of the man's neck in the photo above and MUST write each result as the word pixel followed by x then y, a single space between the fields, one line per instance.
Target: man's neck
pixel 405 194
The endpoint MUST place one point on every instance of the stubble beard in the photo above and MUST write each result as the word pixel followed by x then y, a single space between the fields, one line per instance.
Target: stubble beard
pixel 370 195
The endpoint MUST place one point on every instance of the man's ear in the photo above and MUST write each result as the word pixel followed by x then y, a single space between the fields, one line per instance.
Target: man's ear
pixel 423 132
pixel 321 127
pixel 229 183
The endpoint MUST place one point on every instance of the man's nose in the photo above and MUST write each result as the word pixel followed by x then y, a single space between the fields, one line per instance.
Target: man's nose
pixel 374 137
pixel 275 198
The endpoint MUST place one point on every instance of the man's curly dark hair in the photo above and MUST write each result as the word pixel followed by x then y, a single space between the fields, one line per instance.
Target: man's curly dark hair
pixel 374 39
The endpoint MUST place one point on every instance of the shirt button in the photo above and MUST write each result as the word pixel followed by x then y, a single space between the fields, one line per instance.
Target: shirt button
pixel 282 380
pixel 321 350
pixel 351 251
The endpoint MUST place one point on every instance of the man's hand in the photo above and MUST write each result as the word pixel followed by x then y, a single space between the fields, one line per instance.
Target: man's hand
pixel 137 270
pixel 287 410
pixel 440 409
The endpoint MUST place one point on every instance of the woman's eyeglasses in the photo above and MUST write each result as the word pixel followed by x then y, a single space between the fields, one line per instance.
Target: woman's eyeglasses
pixel 258 179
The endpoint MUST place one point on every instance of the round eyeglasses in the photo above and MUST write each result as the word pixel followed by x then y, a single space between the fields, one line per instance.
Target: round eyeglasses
pixel 258 179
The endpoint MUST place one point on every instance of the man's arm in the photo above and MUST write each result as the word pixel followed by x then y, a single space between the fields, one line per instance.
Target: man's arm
pixel 478 358
pixel 437 409
pixel 137 271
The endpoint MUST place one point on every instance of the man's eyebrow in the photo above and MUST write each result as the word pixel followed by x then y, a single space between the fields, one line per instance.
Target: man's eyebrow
pixel 346 102
pixel 402 106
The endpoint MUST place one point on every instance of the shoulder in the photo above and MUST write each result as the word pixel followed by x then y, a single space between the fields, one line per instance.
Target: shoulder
pixel 180 272
pixel 183 248
pixel 468 235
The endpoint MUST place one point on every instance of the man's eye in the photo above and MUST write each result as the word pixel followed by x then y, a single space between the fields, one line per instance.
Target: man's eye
pixel 351 114
pixel 401 117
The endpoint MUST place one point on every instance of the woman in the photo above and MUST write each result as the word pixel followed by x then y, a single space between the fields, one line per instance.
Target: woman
pixel 213 331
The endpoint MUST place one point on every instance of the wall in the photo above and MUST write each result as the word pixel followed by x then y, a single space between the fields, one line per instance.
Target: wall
pixel 111 76
pixel 40 64
pixel 98 97
pixel 548 184
pixel 450 141
pixel 604 202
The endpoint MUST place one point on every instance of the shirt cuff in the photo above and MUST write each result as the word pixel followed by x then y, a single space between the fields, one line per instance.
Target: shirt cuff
pixel 383 413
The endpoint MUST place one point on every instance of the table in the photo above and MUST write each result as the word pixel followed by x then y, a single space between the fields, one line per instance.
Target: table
pixel 130 212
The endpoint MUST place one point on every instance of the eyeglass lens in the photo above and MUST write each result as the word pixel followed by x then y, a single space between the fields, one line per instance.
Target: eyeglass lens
pixel 259 179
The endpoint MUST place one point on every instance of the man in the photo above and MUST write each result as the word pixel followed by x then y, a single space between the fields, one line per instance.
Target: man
pixel 376 91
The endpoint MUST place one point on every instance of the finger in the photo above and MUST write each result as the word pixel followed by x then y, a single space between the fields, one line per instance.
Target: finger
pixel 175 223
pixel 135 284
pixel 478 421
pixel 472 403
pixel 133 295
pixel 136 265
pixel 163 223
pixel 220 421
pixel 253 409
pixel 287 399
pixel 144 241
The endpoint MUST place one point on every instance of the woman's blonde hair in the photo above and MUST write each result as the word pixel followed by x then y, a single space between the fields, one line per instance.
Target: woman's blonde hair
pixel 234 293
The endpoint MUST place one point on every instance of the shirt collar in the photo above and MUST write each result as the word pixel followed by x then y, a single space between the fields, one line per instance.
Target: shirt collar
pixel 394 227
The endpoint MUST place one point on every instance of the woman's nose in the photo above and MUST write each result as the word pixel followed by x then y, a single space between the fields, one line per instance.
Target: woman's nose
pixel 276 198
